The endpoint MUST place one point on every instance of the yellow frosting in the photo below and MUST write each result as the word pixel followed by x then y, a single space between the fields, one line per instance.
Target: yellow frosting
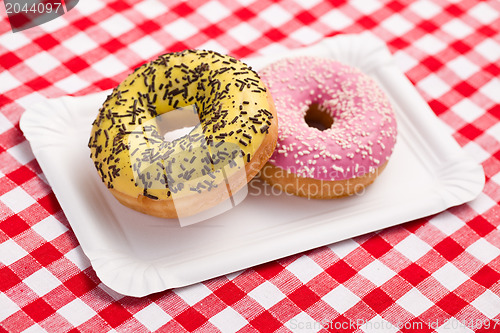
pixel 129 150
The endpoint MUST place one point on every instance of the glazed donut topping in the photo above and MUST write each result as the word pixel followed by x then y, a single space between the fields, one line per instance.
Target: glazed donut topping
pixel 224 96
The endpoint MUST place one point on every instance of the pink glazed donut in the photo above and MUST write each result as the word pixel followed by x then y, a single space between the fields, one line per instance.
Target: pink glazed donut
pixel 337 128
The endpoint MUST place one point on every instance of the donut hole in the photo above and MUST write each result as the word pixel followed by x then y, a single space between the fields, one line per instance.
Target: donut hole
pixel 177 123
pixel 317 117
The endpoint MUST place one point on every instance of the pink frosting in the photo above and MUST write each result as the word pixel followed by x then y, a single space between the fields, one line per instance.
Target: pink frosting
pixel 364 130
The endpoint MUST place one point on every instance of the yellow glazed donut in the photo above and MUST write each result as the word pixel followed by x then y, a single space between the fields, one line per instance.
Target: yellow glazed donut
pixel 235 134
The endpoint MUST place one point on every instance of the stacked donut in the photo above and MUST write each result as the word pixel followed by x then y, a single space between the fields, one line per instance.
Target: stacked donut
pixel 337 128
pixel 233 139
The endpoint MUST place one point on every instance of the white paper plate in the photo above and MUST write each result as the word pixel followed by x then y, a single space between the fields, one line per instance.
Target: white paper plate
pixel 136 255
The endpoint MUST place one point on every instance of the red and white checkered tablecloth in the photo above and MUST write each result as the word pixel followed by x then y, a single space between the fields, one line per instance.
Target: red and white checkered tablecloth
pixel 439 273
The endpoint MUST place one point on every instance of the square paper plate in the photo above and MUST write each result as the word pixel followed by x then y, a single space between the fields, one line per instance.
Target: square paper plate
pixel 136 254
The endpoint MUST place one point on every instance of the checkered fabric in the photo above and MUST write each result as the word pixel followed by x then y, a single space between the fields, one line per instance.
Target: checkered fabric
pixel 439 273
